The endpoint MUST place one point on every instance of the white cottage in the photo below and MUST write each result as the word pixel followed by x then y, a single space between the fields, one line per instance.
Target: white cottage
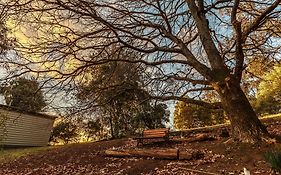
pixel 21 128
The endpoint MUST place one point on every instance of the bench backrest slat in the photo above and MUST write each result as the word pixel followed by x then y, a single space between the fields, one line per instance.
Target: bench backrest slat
pixel 156 132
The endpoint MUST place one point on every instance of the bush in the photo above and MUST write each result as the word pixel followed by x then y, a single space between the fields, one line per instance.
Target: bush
pixel 274 159
pixel 64 131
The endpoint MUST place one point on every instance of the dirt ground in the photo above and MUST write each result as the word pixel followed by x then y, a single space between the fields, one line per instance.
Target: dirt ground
pixel 88 159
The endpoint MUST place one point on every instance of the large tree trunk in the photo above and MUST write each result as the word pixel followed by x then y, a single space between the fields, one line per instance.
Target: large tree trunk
pixel 246 127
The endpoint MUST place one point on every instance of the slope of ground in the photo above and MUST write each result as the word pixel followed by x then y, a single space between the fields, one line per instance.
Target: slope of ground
pixel 87 159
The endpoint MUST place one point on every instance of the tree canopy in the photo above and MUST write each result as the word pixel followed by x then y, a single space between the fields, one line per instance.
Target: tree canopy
pixel 64 131
pixel 117 90
pixel 24 94
pixel 269 91
pixel 185 46
pixel 191 116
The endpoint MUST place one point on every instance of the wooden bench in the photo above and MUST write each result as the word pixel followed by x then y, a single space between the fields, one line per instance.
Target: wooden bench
pixel 162 133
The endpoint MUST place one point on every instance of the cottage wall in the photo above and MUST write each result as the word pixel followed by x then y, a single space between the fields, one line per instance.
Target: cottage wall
pixel 21 129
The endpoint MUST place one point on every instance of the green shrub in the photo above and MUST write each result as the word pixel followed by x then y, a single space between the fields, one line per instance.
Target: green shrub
pixel 273 157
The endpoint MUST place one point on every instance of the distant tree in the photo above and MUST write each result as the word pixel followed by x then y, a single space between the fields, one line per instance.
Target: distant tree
pixel 151 116
pixel 191 116
pixel 64 131
pixel 24 94
pixel 182 117
pixel 115 88
pixel 253 74
pixel 269 92
pixel 93 128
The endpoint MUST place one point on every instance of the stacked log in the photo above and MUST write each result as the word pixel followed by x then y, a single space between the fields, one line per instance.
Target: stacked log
pixel 172 154
pixel 159 153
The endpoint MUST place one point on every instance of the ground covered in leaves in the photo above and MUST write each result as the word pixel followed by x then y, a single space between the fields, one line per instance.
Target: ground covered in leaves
pixel 88 159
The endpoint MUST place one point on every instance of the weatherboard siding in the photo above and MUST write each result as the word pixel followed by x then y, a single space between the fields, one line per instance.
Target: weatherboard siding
pixel 25 130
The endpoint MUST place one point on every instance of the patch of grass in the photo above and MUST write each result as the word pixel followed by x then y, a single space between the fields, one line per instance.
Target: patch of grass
pixel 12 154
pixel 273 157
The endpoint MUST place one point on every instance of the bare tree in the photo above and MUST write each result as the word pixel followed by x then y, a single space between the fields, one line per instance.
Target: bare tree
pixel 188 46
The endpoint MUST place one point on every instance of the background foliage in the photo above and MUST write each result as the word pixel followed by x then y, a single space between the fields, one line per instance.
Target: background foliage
pixel 24 94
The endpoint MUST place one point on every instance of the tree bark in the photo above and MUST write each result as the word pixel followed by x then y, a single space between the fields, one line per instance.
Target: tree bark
pixel 156 153
pixel 245 125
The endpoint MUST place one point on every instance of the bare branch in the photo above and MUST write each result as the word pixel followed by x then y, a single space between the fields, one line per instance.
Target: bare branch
pixel 257 22
pixel 188 100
